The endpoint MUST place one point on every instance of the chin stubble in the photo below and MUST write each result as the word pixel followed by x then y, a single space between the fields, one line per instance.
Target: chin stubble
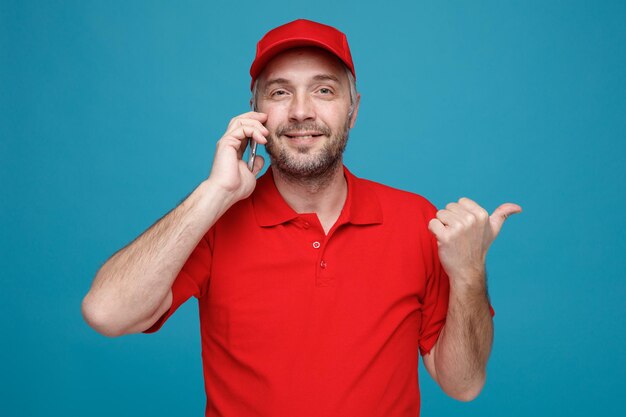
pixel 317 169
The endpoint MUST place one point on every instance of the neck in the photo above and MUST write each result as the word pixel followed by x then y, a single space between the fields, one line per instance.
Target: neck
pixel 324 195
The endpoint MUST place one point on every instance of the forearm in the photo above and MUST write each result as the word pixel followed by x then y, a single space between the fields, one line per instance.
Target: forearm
pixel 465 342
pixel 464 232
pixel 134 283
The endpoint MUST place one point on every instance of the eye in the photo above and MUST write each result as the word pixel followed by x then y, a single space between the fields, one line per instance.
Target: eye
pixel 325 90
pixel 278 93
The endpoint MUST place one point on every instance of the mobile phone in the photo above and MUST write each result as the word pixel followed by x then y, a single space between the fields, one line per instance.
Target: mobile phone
pixel 252 144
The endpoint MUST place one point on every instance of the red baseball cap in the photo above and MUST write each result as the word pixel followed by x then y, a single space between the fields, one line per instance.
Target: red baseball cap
pixel 300 32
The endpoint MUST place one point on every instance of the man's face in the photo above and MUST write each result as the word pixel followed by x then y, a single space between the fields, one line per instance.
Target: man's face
pixel 305 93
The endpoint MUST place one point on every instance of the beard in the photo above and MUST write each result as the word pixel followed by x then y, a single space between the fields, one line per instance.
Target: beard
pixel 304 164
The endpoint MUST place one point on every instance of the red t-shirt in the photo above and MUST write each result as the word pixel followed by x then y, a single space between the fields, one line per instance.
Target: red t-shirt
pixel 298 323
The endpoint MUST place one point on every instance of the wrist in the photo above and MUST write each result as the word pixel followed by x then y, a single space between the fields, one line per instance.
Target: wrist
pixel 469 280
pixel 212 197
pixel 469 298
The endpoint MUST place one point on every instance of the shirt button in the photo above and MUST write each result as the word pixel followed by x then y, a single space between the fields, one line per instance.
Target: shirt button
pixel 323 264
pixel 316 245
pixel 306 225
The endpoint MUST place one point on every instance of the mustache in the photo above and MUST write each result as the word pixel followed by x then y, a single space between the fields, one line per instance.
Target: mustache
pixel 303 127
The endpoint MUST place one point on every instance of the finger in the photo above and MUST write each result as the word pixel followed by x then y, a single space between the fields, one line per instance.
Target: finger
pixel 238 141
pixel 257 115
pixel 250 132
pixel 243 134
pixel 464 215
pixel 474 208
pixel 500 214
pixel 448 218
pixel 261 117
pixel 254 134
pixel 248 122
pixel 469 204
pixel 259 162
pixel 437 228
pixel 228 141
pixel 251 136
pixel 456 208
pixel 243 138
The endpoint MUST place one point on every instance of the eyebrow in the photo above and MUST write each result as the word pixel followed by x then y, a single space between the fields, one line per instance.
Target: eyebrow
pixel 326 77
pixel 275 81
pixel 319 77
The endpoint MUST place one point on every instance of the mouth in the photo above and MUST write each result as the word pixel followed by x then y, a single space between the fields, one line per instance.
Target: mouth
pixel 303 135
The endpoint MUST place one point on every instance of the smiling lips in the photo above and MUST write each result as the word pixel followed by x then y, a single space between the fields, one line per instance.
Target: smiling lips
pixel 303 135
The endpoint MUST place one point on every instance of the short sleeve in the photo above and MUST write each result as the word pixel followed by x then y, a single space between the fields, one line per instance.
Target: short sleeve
pixel 434 305
pixel 192 280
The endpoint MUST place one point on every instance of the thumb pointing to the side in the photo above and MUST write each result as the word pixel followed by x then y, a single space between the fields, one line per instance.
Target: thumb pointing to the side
pixel 501 214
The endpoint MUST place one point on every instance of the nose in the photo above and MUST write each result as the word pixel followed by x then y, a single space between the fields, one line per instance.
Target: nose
pixel 301 108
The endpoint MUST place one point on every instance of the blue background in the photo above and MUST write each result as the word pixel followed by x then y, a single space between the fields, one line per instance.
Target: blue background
pixel 109 116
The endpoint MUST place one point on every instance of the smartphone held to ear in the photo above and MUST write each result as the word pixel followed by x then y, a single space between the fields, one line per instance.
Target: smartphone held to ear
pixel 252 155
pixel 252 145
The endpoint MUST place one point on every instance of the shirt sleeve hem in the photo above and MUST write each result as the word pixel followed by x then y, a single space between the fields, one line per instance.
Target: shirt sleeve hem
pixel 182 289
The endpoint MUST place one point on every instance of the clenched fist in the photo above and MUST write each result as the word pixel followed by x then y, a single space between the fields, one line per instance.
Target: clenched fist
pixel 464 232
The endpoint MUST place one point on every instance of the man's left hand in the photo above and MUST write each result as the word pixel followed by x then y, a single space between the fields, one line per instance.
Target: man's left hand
pixel 464 232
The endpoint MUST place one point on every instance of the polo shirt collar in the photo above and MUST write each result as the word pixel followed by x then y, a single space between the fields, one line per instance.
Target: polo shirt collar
pixel 361 207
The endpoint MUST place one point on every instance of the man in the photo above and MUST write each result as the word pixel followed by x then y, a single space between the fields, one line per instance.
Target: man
pixel 316 288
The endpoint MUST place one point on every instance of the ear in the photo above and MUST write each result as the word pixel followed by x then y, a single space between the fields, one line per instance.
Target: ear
pixel 356 110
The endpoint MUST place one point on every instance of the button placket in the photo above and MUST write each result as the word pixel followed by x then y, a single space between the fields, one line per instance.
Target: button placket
pixel 323 276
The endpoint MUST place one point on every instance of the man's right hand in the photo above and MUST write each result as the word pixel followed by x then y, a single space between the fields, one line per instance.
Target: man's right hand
pixel 133 288
pixel 229 172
